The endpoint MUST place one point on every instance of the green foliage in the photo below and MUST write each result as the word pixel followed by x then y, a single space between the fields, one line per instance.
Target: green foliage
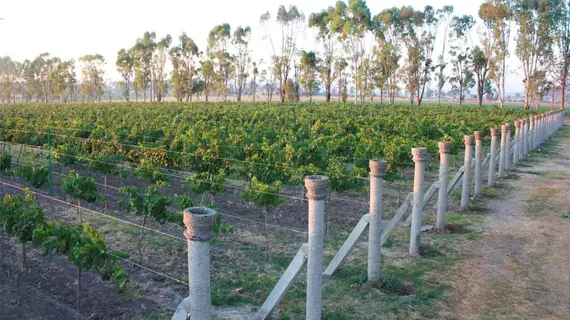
pixel 20 216
pixel 149 171
pixel 84 188
pixel 65 154
pixel 206 183
pixel 5 161
pixel 220 227
pixel 34 174
pixel 104 163
pixel 152 204
pixel 85 248
pixel 263 194
pixel 245 140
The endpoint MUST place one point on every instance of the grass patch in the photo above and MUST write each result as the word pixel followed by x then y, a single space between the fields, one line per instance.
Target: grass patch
pixel 539 203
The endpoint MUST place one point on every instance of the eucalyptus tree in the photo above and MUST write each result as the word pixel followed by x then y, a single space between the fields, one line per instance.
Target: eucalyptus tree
pixel 340 66
pixel 292 22
pixel 427 42
pixel 63 79
pixel 125 66
pixel 444 16
pixel 208 76
pixel 537 21
pixel 253 85
pixel 496 16
pixel 322 21
pixel 178 74
pixel 480 65
pixel 388 30
pixel 462 78
pixel 143 52
pixel 159 63
pixel 561 57
pixel 218 41
pixel 92 73
pixel 8 74
pixel 352 22
pixel 412 22
pixel 309 67
pixel 189 54
pixel 241 39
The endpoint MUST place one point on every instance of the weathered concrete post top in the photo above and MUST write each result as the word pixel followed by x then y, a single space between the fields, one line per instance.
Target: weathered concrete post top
pixel 444 149
pixel 317 191
pixel 469 141
pixel 377 172
pixel 199 224
pixel 420 157
pixel 478 163
pixel 493 160
pixel 317 187
pixel 378 168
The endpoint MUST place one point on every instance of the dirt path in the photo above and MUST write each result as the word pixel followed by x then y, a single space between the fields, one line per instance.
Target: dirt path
pixel 520 269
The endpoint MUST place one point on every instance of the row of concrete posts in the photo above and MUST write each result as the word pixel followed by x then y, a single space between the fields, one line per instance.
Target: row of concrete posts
pixel 199 222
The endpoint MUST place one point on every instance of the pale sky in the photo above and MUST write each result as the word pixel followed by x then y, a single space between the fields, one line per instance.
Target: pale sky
pixel 70 29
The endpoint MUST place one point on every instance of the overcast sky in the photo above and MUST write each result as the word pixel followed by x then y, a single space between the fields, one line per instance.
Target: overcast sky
pixel 70 29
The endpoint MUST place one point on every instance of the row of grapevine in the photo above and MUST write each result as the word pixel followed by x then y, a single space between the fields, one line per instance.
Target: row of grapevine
pixel 272 143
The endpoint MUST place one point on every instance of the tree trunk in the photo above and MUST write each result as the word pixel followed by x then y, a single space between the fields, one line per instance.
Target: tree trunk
pixel 328 93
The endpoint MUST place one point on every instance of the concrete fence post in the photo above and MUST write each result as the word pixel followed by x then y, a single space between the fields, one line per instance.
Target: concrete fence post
pixel 508 150
pixel 520 148
pixel 377 173
pixel 317 190
pixel 493 160
pixel 533 125
pixel 466 173
pixel 526 136
pixel 503 152
pixel 541 137
pixel 518 144
pixel 199 224
pixel 444 149
pixel 478 163
pixel 420 158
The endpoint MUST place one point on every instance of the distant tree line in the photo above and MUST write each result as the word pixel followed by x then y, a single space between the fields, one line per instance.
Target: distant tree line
pixel 360 53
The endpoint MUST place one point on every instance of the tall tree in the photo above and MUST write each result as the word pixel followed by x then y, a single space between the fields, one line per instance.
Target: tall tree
pixel 240 40
pixel 291 22
pixel 388 54
pixel 462 79
pixel 143 52
pixel 92 71
pixel 561 57
pixel 480 63
pixel 537 22
pixel 325 34
pixel 189 53
pixel 340 66
pixel 159 63
pixel 218 40
pixel 308 70
pixel 63 79
pixel 444 16
pixel 496 16
pixel 125 66
pixel 352 22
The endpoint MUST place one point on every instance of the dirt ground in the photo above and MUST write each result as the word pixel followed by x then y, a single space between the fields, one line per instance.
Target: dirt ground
pixel 520 268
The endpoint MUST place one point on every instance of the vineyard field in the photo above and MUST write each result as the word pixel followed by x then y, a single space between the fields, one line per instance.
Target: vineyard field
pixel 270 142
